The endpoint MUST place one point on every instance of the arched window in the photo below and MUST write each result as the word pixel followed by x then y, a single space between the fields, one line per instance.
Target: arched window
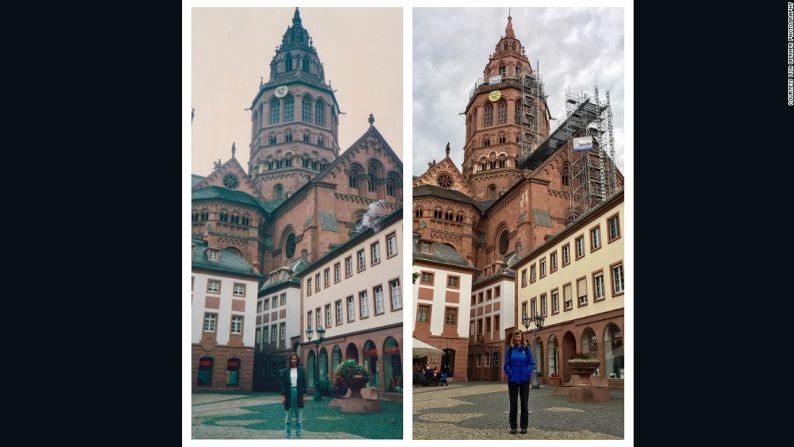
pixel 502 71
pixel 289 108
pixel 351 352
pixel 374 176
pixel 488 115
pixel 517 118
pixel 336 357
pixel 418 213
pixel 504 242
pixel 613 352
pixel 566 174
pixel 278 192
pixel 205 371
pixel 306 65
pixel 306 137
pixel 306 162
pixel 589 343
pixel 320 141
pixel 323 367
pixel 275 110
pixel 491 191
pixel 437 213
pixel 205 215
pixel 288 62
pixel 355 173
pixel 223 216
pixel 288 161
pixel 306 109
pixel 553 356
pixel 319 113
pixel 502 139
pixel 392 365
pixel 502 109
pixel 289 246
pixel 272 138
pixel 233 372
pixel 486 141
pixel 518 70
pixel 392 184
pixel 287 136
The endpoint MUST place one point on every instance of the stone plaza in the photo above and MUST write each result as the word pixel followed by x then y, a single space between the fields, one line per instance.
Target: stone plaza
pixel 479 410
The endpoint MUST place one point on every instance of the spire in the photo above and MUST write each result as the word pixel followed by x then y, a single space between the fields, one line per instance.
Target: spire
pixel 296 18
pixel 509 28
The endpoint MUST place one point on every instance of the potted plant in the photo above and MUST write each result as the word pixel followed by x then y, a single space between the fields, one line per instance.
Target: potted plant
pixel 353 375
pixel 554 379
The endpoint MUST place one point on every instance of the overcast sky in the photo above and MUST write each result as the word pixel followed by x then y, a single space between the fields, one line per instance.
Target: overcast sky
pixel 576 47
pixel 361 49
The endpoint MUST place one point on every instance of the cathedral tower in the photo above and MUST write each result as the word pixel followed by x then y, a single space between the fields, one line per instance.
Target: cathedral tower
pixel 506 116
pixel 294 118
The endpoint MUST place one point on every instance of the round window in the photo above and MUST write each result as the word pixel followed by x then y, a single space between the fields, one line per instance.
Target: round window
pixel 444 180
pixel 231 181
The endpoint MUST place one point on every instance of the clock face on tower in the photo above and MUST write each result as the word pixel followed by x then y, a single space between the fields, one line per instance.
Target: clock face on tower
pixel 281 91
pixel 495 95
pixel 231 181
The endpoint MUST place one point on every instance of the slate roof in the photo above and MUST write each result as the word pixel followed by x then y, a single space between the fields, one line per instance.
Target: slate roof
pixel 228 261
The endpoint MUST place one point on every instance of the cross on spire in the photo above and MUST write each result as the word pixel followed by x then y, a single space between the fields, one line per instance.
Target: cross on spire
pixel 371 119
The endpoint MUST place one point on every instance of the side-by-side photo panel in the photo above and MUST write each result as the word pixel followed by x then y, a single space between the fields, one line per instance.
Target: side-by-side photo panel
pixel 297 223
pixel 518 223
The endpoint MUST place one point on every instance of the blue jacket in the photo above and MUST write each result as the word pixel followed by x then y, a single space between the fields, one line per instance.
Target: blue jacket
pixel 519 364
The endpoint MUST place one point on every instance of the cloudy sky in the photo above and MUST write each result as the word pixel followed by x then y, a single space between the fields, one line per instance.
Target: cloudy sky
pixel 576 47
pixel 361 49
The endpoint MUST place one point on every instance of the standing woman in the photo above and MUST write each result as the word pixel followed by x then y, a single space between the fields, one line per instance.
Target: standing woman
pixel 293 387
pixel 519 365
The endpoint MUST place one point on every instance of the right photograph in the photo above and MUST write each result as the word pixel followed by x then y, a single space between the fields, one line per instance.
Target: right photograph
pixel 518 223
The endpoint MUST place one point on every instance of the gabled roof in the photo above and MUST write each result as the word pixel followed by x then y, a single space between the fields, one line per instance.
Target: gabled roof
pixel 228 261
pixel 429 177
pixel 440 253
pixel 220 170
pixel 347 154
pixel 195 179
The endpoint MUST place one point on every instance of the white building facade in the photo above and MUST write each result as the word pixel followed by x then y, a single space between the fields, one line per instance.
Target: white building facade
pixel 223 310
pixel 355 293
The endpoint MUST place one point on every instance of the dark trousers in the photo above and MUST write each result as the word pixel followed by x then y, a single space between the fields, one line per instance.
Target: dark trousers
pixel 514 389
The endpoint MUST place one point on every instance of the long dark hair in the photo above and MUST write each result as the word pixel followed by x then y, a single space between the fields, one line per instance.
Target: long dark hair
pixel 297 359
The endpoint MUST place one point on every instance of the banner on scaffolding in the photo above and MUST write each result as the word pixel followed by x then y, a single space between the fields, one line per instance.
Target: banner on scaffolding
pixel 582 144
pixel 494 79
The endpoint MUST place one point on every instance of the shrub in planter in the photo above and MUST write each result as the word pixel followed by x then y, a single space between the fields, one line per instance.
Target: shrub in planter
pixel 349 368
pixel 325 386
pixel 339 388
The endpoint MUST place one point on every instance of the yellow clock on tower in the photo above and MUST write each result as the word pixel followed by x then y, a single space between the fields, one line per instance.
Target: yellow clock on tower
pixel 495 95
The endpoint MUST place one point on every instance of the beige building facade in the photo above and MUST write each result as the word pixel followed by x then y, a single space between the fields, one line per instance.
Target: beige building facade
pixel 576 281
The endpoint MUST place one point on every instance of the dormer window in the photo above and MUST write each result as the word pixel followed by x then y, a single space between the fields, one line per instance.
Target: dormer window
pixel 212 255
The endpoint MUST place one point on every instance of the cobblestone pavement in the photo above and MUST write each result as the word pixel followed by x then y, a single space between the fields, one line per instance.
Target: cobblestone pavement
pixel 261 416
pixel 479 410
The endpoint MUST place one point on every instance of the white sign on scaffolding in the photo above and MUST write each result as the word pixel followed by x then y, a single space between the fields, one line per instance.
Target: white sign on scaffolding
pixel 582 144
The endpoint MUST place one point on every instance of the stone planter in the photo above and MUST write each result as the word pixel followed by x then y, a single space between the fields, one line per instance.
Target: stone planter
pixel 584 368
pixel 583 389
pixel 554 381
pixel 356 383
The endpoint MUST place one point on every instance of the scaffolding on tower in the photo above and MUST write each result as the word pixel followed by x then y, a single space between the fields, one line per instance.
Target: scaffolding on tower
pixel 531 95
pixel 591 151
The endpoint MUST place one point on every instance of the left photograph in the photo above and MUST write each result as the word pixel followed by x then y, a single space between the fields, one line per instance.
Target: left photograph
pixel 296 223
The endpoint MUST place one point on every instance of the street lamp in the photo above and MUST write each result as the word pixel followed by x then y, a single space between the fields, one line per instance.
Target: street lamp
pixel 320 334
pixel 538 326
